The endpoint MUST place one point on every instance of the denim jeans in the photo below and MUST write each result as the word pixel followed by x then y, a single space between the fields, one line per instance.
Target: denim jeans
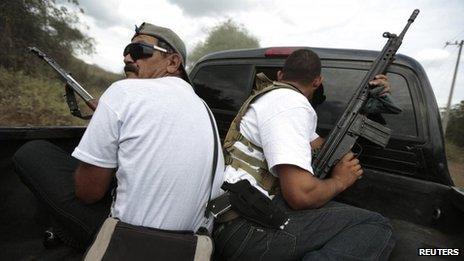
pixel 335 231
pixel 48 172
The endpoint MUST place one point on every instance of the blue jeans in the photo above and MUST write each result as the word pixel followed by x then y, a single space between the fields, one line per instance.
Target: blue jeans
pixel 48 172
pixel 335 231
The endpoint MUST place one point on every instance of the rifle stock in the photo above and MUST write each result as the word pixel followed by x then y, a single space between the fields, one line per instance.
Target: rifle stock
pixel 352 124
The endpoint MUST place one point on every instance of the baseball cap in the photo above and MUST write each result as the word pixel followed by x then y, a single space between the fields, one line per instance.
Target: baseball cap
pixel 169 37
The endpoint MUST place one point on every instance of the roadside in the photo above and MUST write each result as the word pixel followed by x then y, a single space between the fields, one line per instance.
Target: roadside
pixel 455 156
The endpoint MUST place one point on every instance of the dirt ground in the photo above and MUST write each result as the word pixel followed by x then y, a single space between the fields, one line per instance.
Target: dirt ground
pixel 456 170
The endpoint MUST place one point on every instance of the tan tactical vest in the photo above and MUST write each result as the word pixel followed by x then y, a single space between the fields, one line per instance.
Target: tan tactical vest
pixel 237 159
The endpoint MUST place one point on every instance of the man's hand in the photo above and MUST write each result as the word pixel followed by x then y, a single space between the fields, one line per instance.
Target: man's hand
pixel 381 80
pixel 92 104
pixel 347 171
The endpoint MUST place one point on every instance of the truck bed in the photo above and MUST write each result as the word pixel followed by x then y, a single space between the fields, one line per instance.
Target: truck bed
pixel 23 221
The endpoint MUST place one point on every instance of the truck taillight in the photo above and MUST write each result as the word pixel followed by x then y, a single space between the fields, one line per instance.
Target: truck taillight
pixel 279 51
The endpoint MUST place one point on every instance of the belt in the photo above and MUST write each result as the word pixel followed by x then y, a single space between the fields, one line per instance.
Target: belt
pixel 229 215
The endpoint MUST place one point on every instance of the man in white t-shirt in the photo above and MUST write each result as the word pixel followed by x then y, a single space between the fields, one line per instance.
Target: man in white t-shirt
pixel 268 144
pixel 151 133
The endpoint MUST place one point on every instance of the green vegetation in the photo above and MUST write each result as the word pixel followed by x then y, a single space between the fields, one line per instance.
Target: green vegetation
pixel 225 36
pixel 31 94
pixel 27 101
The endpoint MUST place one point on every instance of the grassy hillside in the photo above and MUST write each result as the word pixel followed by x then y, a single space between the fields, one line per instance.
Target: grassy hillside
pixel 38 99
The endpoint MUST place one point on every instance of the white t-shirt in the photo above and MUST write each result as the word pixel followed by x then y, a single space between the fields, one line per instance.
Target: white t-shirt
pixel 158 135
pixel 283 123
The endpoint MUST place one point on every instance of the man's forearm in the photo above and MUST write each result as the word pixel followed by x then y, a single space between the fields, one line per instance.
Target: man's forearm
pixel 302 190
pixel 318 195
pixel 332 188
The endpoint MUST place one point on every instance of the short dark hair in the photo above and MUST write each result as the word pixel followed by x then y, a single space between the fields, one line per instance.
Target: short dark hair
pixel 301 66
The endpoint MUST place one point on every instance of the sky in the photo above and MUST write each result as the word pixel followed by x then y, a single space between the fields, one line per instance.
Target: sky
pixel 350 24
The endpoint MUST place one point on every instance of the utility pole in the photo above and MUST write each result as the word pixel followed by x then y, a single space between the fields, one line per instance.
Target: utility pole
pixel 450 97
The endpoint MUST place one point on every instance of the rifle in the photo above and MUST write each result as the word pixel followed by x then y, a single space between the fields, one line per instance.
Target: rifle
pixel 71 86
pixel 353 124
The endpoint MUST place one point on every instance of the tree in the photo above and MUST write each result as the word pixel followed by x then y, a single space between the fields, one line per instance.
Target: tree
pixel 225 36
pixel 455 130
pixel 41 23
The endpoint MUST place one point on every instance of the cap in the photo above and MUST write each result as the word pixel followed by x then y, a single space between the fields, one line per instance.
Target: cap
pixel 169 37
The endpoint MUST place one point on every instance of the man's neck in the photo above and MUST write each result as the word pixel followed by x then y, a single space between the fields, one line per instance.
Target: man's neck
pixel 307 92
pixel 175 74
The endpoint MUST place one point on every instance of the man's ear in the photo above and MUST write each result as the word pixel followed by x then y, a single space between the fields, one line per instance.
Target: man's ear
pixel 174 63
pixel 280 75
pixel 318 81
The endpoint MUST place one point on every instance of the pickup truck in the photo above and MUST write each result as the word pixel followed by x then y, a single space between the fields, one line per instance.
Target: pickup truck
pixel 408 181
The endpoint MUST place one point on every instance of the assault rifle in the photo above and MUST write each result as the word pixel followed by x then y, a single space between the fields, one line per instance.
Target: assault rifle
pixel 353 124
pixel 71 86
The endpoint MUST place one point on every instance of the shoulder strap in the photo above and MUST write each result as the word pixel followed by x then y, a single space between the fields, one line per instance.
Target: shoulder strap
pixel 275 85
pixel 234 131
pixel 215 154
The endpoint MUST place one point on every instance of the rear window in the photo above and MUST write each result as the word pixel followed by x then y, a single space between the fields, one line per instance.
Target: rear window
pixel 339 86
pixel 224 87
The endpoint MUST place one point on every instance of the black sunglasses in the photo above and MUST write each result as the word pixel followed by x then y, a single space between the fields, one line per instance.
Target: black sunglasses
pixel 141 50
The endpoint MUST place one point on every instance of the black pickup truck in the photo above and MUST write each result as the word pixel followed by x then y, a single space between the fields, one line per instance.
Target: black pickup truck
pixel 408 181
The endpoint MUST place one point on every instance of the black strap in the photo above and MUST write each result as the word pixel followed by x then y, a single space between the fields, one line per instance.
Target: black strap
pixel 215 155
pixel 72 104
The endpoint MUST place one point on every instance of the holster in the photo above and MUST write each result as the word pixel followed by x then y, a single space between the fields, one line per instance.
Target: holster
pixel 253 205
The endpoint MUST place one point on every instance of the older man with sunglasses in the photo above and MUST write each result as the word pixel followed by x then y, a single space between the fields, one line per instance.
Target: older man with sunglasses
pixel 150 134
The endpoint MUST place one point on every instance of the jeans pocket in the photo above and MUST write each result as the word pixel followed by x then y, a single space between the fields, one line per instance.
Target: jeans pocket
pixel 281 245
pixel 247 243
